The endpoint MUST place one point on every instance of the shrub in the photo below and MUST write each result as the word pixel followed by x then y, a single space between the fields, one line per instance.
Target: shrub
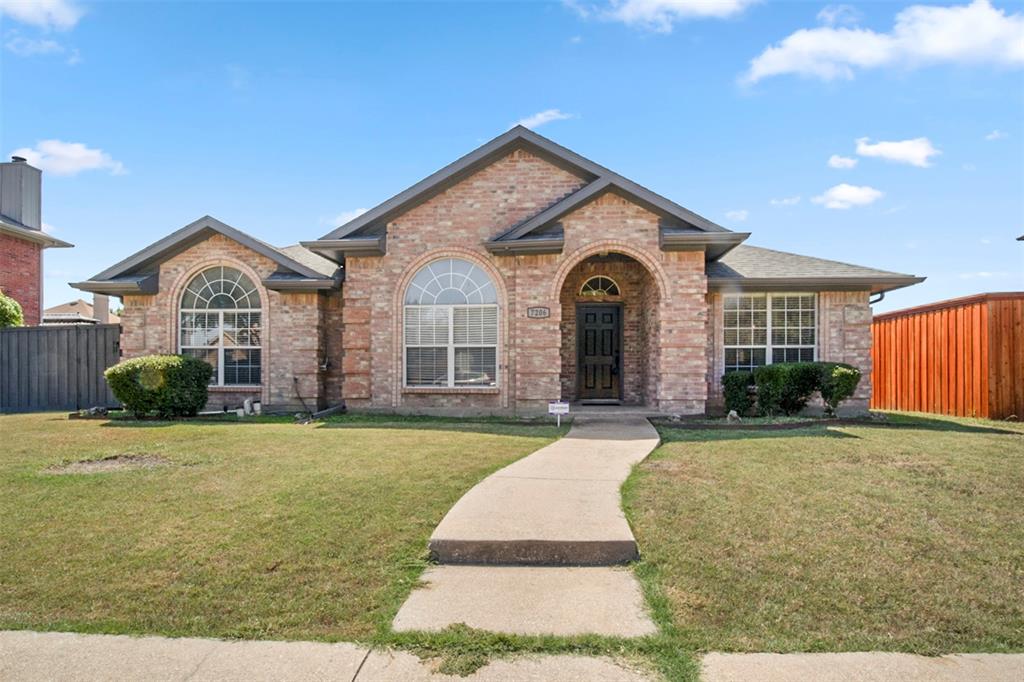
pixel 169 385
pixel 800 382
pixel 10 312
pixel 837 382
pixel 736 387
pixel 770 381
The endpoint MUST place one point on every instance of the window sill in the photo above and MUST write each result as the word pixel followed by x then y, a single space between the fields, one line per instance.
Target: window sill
pixel 235 389
pixel 481 390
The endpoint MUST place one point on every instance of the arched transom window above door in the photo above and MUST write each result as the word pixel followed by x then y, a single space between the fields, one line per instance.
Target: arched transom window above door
pixel 220 323
pixel 600 286
pixel 451 326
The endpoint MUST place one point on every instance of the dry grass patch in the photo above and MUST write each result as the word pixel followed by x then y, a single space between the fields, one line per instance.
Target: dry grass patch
pixel 901 537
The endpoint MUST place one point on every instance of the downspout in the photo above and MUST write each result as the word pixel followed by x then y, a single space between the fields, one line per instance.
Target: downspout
pixel 881 297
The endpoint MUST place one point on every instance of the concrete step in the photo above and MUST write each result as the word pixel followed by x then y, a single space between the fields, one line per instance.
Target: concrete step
pixel 528 600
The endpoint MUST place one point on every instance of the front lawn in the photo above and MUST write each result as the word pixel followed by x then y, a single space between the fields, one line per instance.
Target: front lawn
pixel 260 529
pixel 907 536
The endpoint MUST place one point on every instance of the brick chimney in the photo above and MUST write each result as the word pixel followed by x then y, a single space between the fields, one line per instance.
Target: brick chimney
pixel 21 237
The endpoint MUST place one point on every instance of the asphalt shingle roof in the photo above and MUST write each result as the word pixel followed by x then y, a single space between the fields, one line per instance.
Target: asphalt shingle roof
pixel 754 262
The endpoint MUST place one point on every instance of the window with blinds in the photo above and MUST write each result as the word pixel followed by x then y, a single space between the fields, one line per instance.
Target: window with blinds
pixel 761 329
pixel 451 327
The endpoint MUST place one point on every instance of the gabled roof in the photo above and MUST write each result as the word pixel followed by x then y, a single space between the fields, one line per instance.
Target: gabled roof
pixel 74 311
pixel 138 274
pixel 754 268
pixel 16 229
pixel 365 234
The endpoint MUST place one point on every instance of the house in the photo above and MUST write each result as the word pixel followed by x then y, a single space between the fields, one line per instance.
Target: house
pixel 81 312
pixel 519 274
pixel 22 239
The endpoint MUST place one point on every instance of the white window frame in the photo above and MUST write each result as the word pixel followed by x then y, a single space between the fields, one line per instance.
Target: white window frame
pixel 451 346
pixel 769 346
pixel 220 347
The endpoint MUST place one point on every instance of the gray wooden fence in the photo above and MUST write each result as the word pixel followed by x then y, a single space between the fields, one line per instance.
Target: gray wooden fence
pixel 57 368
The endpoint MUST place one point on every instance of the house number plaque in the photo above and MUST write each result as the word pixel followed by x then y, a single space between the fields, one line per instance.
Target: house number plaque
pixel 538 312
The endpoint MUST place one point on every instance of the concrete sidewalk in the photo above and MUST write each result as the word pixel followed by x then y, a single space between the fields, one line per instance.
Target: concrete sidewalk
pixel 558 506
pixel 38 656
pixel 867 666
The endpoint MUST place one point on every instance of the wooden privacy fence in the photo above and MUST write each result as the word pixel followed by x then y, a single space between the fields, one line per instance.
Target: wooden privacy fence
pixel 960 357
pixel 57 368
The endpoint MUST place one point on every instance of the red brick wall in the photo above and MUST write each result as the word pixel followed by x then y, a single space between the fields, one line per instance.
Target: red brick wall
pixel 21 275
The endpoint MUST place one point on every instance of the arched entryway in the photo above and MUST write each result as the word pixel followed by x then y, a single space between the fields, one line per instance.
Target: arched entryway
pixel 609 328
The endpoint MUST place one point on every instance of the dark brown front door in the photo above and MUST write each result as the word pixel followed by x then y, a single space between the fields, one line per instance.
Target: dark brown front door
pixel 599 334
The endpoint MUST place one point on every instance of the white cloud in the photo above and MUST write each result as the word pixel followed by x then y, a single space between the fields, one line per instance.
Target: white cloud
pixel 45 14
pixel 658 15
pixel 996 135
pixel 836 161
pixel 976 33
pixel 845 196
pixel 838 15
pixel 738 215
pixel 30 47
pixel 916 152
pixel 68 158
pixel 785 201
pixel 576 40
pixel 346 216
pixel 49 229
pixel 542 117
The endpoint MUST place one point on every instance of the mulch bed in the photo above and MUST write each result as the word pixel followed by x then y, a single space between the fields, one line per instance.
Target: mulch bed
pixel 781 426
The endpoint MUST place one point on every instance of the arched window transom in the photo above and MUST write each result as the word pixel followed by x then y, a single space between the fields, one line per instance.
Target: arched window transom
pixel 451 326
pixel 599 286
pixel 220 323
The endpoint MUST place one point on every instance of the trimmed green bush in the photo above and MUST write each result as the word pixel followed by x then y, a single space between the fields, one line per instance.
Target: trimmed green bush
pixel 771 382
pixel 837 383
pixel 10 312
pixel 801 381
pixel 167 385
pixel 736 386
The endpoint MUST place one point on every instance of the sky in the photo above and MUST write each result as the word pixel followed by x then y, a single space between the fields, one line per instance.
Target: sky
pixel 884 134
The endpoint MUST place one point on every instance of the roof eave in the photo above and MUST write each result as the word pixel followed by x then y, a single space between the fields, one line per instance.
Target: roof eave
pixel 519 247
pixel 713 244
pixel 142 286
pixel 35 236
pixel 873 284
pixel 338 249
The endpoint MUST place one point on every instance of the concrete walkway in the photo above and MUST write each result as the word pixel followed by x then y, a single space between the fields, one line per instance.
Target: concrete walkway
pixel 38 656
pixel 542 537
pixel 869 666
pixel 558 506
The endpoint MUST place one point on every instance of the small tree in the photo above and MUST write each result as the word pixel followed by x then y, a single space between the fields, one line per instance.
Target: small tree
pixel 10 312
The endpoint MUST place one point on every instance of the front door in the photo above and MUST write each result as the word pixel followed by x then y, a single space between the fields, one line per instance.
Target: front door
pixel 599 351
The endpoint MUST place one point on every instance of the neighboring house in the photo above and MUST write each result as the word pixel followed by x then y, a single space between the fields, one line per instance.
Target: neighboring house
pixel 80 312
pixel 22 239
pixel 519 274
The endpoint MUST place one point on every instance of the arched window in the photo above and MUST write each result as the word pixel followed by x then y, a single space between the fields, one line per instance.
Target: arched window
pixel 220 323
pixel 451 326
pixel 599 286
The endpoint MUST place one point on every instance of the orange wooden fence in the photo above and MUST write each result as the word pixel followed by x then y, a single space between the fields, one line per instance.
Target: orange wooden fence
pixel 960 357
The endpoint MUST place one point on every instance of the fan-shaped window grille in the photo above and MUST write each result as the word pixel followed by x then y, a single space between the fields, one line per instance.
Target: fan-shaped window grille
pixel 220 323
pixel 599 286
pixel 451 326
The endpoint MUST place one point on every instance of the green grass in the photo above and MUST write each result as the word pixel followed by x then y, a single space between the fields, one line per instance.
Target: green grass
pixel 260 529
pixel 904 536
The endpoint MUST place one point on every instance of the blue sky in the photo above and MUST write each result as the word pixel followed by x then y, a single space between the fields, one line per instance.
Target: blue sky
pixel 281 118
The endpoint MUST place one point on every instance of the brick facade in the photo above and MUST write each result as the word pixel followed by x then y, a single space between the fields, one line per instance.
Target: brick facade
pixel 347 345
pixel 21 263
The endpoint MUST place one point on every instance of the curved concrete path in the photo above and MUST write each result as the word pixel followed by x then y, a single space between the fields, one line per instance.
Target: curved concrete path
pixel 558 506
pixel 541 537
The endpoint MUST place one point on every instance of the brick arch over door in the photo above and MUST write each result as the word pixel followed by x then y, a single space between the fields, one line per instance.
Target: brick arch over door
pixel 610 246
pixel 398 318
